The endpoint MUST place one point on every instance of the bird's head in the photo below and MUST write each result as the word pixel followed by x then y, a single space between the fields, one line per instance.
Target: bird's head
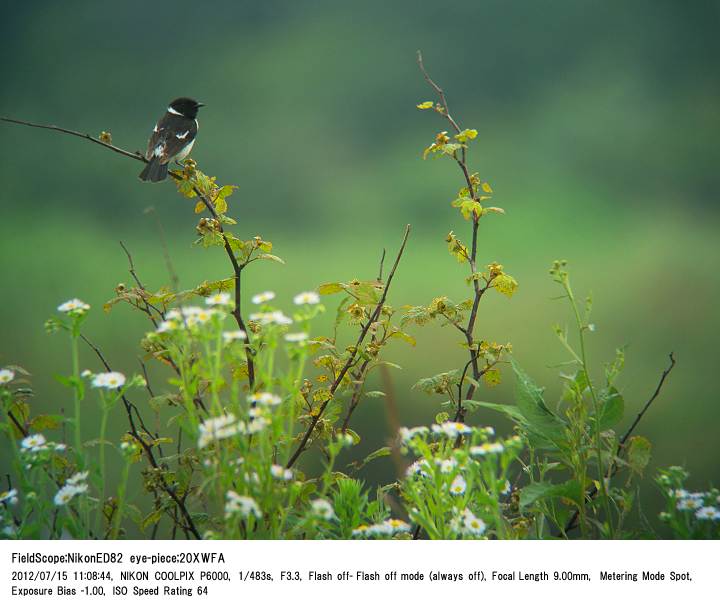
pixel 185 106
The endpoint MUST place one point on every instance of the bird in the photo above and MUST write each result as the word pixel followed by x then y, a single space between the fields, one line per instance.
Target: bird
pixel 172 138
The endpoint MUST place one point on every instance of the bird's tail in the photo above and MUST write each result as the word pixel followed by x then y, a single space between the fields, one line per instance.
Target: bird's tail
pixel 154 171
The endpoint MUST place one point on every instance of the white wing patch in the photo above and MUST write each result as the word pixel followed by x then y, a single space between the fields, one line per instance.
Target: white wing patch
pixel 171 110
pixel 182 136
pixel 159 149
pixel 155 129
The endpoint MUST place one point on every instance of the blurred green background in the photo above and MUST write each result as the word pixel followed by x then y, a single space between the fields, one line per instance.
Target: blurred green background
pixel 598 128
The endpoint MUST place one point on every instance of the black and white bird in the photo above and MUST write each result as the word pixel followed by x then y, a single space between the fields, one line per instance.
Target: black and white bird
pixel 172 138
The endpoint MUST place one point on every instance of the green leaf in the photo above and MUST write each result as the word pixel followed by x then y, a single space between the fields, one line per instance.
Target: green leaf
pixel 374 394
pixel 612 411
pixel 571 491
pixel 530 403
pixel 272 257
pixel 638 453
pixel 330 288
pixel 376 454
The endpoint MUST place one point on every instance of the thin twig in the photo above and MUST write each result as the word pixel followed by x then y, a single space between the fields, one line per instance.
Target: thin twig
pixel 355 352
pixel 237 267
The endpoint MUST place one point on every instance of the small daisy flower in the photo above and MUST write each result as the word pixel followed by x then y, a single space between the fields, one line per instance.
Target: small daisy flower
pixel 689 503
pixel 296 337
pixel 77 478
pixel 74 307
pixel 486 448
pixel 273 317
pixel 408 433
pixel 67 492
pixel 222 299
pixel 167 326
pixel 418 467
pixel 446 465
pixel 6 376
pixel 263 297
pixel 708 513
pixel 280 473
pixel 322 508
pixel 680 493
pixel 34 443
pixel 219 428
pixel 241 504
pixel 397 526
pixel 264 398
pixel 9 497
pixel 458 485
pixel 360 531
pixel 109 380
pixel 233 335
pixel 86 373
pixel 309 298
pixel 452 429
pixel 472 524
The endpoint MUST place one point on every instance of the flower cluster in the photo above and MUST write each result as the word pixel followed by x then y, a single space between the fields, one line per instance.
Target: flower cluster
pixel 387 528
pixel 37 443
pixel 241 504
pixel 75 485
pixel 74 307
pixel 108 380
pixel 466 523
pixel 227 426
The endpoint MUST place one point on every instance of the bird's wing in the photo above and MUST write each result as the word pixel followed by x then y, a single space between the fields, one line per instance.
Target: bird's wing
pixel 170 136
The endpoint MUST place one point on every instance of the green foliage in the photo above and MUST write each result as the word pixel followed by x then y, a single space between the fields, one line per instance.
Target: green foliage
pixel 217 449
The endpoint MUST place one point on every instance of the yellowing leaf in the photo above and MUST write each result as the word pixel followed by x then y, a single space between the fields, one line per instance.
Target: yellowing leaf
pixel 221 205
pixel 505 284
pixel 330 288
pixel 199 207
pixel 424 105
pixel 468 207
pixel 491 377
pixel 486 187
pixel 466 134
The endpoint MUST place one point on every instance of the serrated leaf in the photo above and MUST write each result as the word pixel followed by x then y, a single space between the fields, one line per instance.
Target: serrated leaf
pixel 330 288
pixel 505 284
pixel 639 451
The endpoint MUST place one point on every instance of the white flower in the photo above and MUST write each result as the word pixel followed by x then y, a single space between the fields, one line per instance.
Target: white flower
pixel 73 306
pixel 689 503
pixel 6 376
pixel 307 298
pixel 458 485
pixel 322 508
pixel 452 429
pixel 257 425
pixel 67 492
pixel 272 317
pixel 361 531
pixel 34 443
pixel 229 337
pixel 167 326
pixel 77 478
pixel 408 433
pixel 109 380
pixel 264 398
pixel 418 467
pixel 263 297
pixel 241 504
pixel 9 497
pixel 386 528
pixel 471 524
pixel 219 428
pixel 296 337
pixel 280 473
pixel 487 448
pixel 708 513
pixel 86 373
pixel 222 298
pixel 446 465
